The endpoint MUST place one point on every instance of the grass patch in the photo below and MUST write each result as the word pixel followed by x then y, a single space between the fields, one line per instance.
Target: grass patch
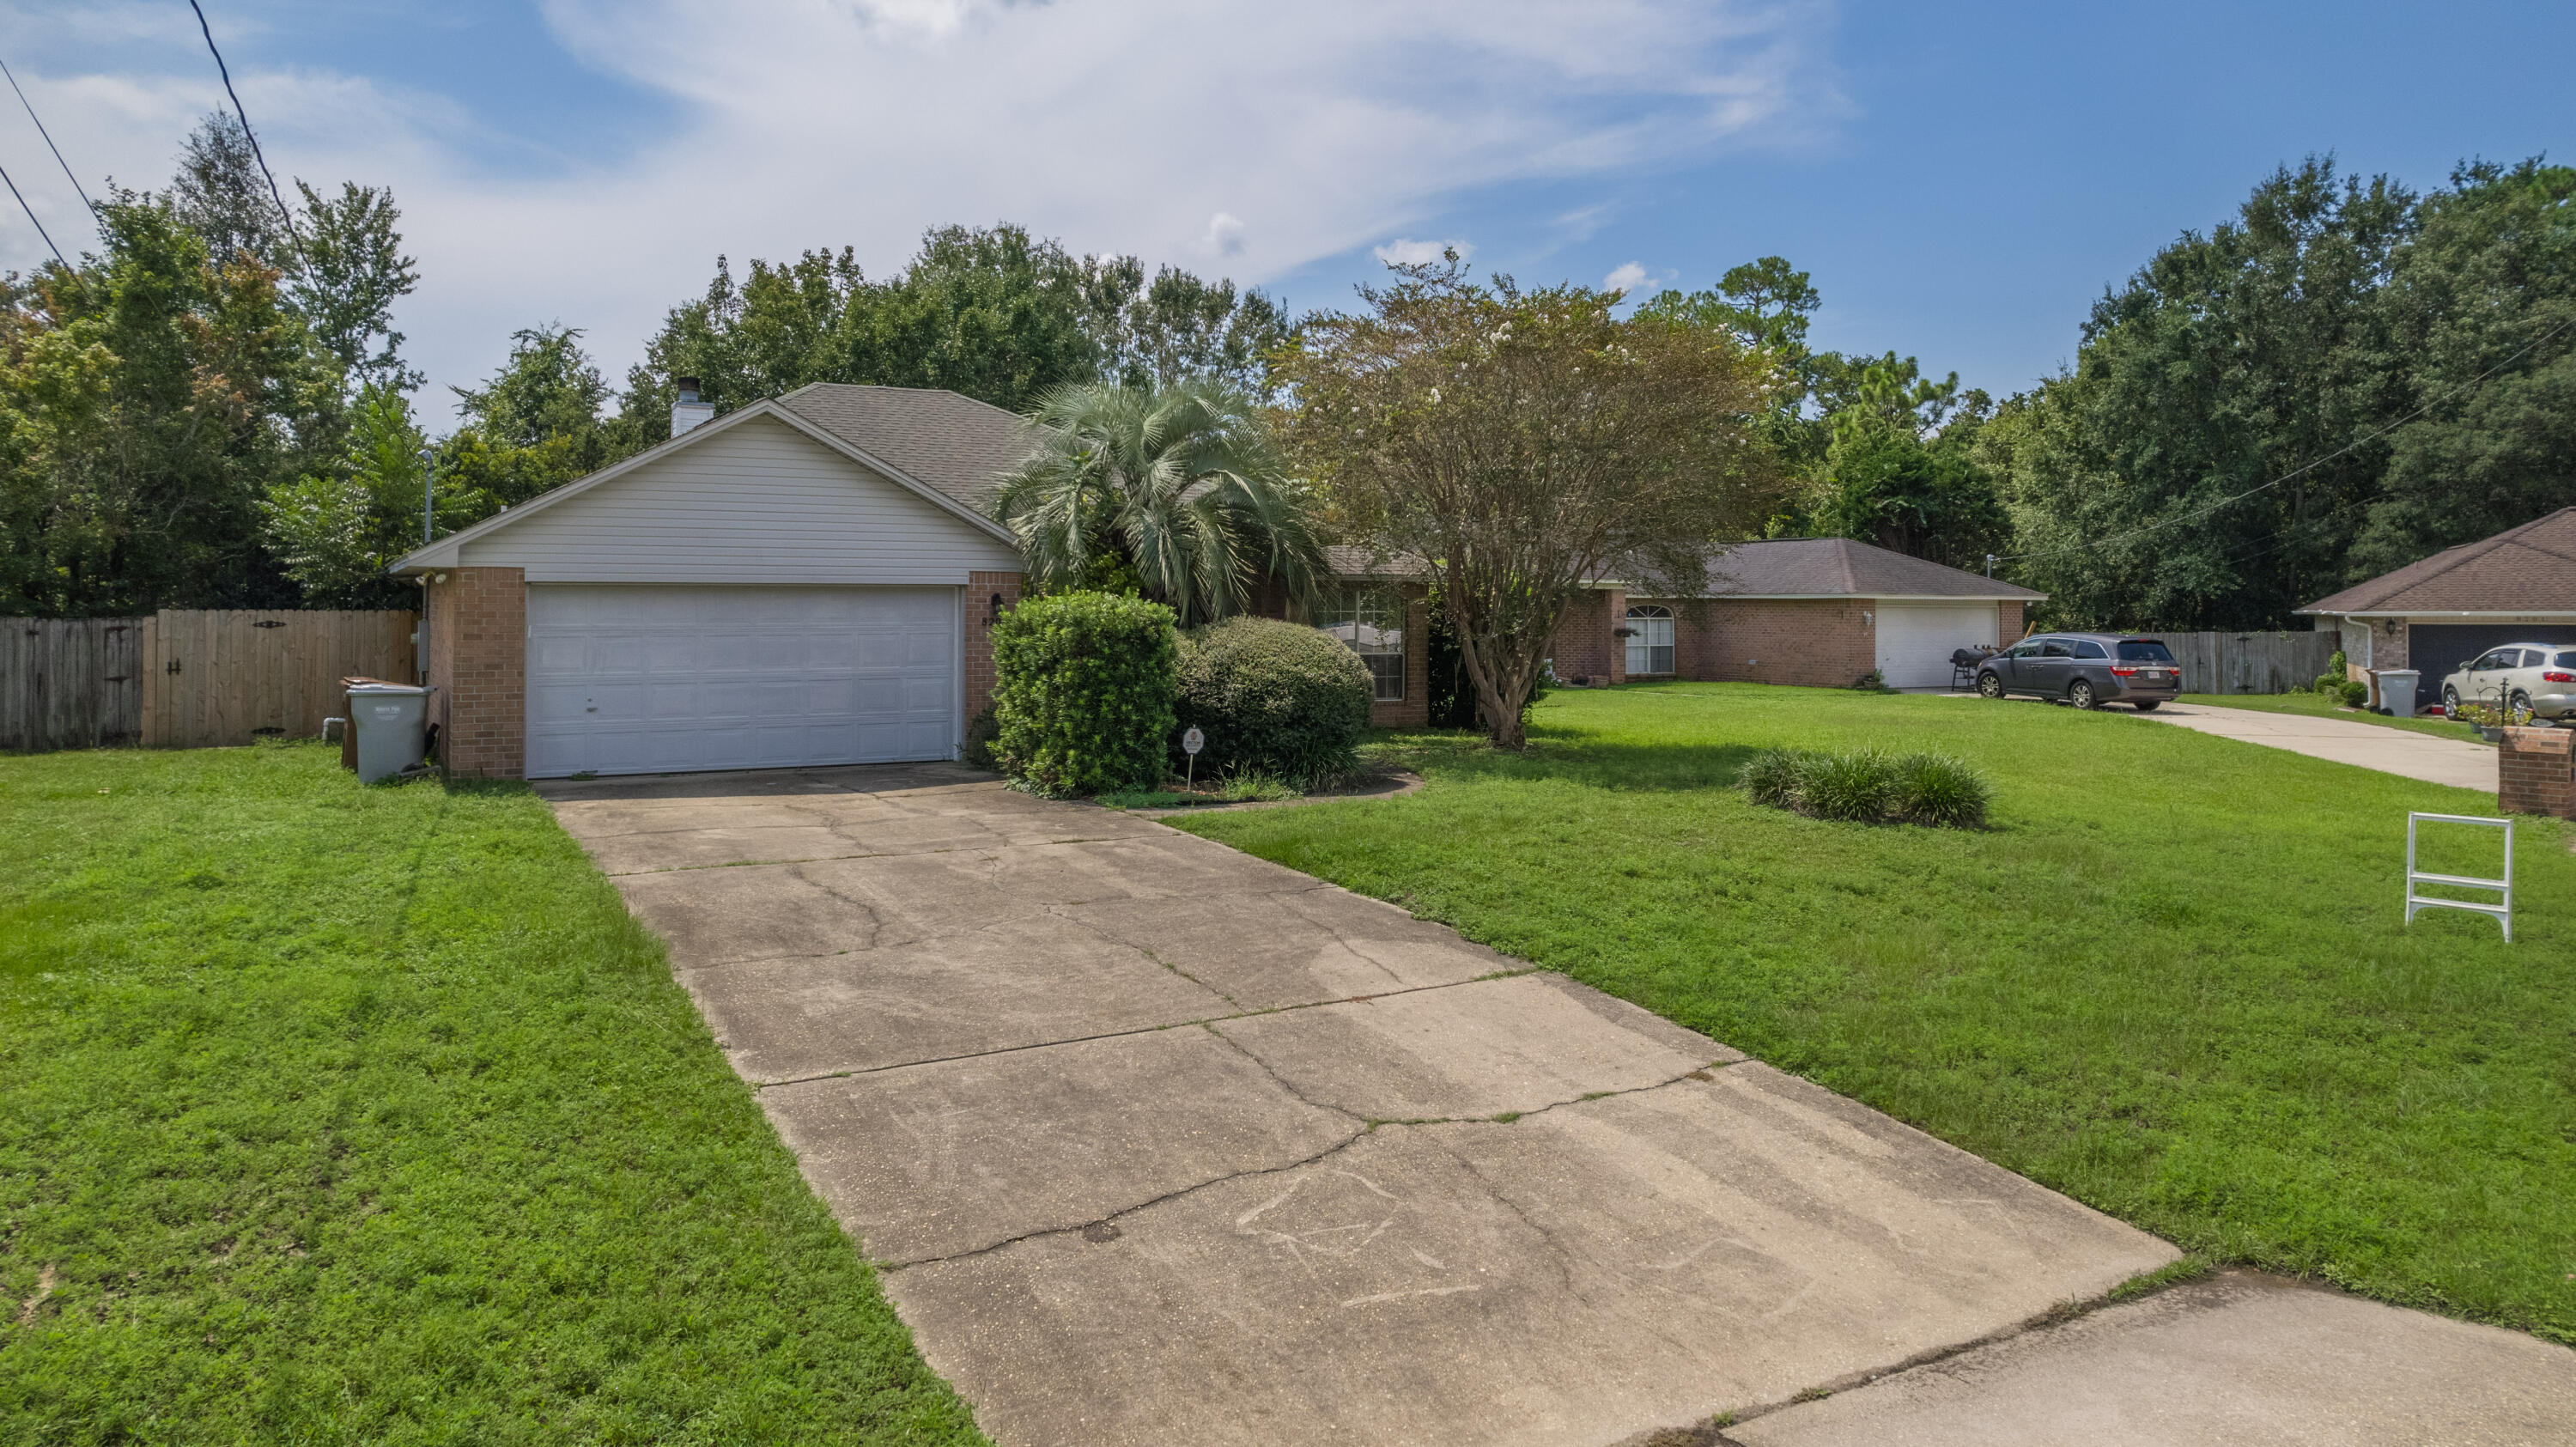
pixel 2170 979
pixel 344 1114
pixel 2317 705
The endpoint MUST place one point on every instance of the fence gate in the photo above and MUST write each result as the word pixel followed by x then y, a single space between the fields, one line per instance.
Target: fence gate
pixel 70 683
pixel 215 677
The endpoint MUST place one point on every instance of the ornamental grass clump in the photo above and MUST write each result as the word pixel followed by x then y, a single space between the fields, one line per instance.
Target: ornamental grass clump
pixel 1935 790
pixel 1853 787
pixel 1868 786
pixel 1771 778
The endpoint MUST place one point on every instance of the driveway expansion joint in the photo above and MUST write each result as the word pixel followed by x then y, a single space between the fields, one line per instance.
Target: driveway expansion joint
pixel 1210 1020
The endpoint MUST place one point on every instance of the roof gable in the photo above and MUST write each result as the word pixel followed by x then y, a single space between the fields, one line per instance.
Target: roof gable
pixel 2529 569
pixel 964 480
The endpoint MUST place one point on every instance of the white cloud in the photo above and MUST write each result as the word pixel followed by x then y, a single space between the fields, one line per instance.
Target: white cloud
pixel 1405 251
pixel 1261 137
pixel 1627 276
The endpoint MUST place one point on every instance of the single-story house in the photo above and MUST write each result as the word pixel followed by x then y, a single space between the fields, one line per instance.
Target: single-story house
pixel 1821 612
pixel 806 580
pixel 2436 614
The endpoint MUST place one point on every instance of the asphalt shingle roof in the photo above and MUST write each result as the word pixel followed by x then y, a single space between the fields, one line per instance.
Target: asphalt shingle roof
pixel 1843 568
pixel 942 439
pixel 1369 563
pixel 2529 569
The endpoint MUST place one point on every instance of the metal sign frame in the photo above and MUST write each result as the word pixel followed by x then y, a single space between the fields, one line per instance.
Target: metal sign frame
pixel 2502 910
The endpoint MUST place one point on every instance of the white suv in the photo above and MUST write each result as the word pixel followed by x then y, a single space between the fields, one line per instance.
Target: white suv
pixel 2538 676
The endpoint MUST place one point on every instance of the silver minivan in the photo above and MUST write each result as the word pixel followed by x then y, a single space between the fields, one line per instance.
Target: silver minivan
pixel 2538 676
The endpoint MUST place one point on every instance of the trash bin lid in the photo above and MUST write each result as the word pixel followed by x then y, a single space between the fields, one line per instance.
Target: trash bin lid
pixel 385 688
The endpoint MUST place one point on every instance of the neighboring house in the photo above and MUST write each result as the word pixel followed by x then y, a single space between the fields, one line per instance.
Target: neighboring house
pixel 2434 615
pixel 807 580
pixel 1823 612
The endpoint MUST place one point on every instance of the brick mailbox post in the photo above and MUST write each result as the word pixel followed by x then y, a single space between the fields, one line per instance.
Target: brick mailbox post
pixel 2536 772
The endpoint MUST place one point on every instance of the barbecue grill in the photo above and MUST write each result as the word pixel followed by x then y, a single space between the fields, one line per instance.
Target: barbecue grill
pixel 1964 663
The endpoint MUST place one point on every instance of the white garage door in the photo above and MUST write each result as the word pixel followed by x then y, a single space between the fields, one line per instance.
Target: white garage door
pixel 1915 640
pixel 657 680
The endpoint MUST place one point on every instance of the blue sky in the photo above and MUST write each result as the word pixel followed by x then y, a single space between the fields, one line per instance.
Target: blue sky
pixel 1962 181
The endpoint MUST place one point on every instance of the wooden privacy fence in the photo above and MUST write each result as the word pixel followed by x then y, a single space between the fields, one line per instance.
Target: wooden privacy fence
pixel 2250 662
pixel 70 683
pixel 188 678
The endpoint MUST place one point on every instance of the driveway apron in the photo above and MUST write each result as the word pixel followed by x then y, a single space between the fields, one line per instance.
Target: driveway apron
pixel 2435 760
pixel 1158 1142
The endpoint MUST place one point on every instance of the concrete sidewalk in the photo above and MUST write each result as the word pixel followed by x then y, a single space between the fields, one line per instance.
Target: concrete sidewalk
pixel 2236 1360
pixel 2371 746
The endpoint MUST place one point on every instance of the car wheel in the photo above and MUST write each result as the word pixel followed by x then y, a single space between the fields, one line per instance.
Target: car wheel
pixel 2148 705
pixel 2080 694
pixel 2519 700
pixel 2450 703
pixel 1990 684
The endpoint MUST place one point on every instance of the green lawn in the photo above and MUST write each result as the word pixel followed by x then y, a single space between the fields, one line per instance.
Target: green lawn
pixel 2318 706
pixel 338 1114
pixel 2171 980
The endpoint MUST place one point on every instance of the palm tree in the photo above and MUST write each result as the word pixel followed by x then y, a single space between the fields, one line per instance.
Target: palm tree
pixel 1179 483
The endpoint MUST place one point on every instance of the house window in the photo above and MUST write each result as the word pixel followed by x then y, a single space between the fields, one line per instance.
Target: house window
pixel 1650 639
pixel 1371 622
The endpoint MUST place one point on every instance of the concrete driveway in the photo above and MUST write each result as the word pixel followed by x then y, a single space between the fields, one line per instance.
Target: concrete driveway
pixel 1157 1142
pixel 2372 746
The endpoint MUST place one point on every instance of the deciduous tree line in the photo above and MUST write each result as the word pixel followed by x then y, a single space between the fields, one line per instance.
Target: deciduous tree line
pixel 210 408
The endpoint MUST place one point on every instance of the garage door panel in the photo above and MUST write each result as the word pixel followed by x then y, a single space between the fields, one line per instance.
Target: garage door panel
pixel 652 680
pixel 1915 640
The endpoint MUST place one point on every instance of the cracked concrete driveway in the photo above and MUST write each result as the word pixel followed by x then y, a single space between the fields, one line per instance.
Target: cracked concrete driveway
pixel 1157 1142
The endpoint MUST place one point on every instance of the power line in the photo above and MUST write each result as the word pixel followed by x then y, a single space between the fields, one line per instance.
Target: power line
pixel 2303 468
pixel 31 215
pixel 49 139
pixel 273 193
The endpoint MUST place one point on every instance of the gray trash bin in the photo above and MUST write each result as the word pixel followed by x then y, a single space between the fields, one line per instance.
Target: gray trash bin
pixel 391 722
pixel 2396 689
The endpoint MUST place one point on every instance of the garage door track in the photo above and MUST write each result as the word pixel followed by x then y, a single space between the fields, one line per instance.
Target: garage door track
pixel 1157 1142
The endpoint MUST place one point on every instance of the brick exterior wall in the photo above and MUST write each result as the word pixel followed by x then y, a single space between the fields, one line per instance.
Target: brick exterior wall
pixel 1816 643
pixel 2008 624
pixel 478 662
pixel 1587 650
pixel 2533 773
pixel 981 589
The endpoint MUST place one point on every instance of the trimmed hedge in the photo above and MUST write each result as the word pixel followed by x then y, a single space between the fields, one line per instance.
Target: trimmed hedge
pixel 1275 698
pixel 1868 786
pixel 1082 693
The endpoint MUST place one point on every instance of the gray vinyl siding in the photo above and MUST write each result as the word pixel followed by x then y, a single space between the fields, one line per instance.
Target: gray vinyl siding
pixel 759 503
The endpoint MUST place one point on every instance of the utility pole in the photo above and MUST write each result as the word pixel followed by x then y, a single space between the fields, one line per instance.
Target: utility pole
pixel 429 500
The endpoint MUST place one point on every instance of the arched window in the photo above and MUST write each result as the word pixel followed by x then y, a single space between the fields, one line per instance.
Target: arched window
pixel 1650 640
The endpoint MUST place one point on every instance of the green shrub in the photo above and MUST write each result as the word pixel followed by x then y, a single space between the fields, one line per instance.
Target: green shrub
pixel 1082 693
pixel 1941 792
pixel 1867 786
pixel 1275 699
pixel 981 731
pixel 2354 693
pixel 1771 778
pixel 1853 786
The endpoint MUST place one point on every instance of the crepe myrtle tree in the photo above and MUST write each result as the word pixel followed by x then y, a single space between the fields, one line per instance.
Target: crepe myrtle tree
pixel 1526 444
